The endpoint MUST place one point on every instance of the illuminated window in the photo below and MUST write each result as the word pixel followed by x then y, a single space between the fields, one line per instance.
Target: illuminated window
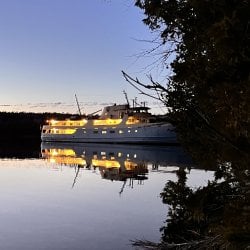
pixel 121 132
pixel 68 122
pixel 136 131
pixel 107 122
pixel 53 131
pixel 69 131
pixel 104 131
pixel 129 131
pixel 132 120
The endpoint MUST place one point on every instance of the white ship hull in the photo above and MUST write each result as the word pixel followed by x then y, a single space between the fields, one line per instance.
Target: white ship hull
pixel 146 134
pixel 117 124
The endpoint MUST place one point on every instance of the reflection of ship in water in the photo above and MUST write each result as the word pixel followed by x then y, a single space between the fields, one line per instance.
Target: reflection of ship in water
pixel 115 162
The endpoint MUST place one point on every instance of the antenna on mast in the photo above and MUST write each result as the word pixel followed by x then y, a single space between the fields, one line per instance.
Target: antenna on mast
pixel 126 96
pixel 78 106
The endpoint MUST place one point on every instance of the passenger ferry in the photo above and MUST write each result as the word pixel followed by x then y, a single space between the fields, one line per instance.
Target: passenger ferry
pixel 116 124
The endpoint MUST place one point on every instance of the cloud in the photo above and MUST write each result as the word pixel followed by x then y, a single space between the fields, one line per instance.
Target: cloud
pixel 64 107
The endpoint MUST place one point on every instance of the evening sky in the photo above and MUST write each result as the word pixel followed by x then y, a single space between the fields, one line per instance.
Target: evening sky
pixel 51 50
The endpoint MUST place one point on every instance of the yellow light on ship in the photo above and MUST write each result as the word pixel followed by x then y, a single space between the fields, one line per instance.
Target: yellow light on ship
pixel 69 131
pixel 107 122
pixel 132 120
pixel 52 122
pixel 81 122
pixel 53 130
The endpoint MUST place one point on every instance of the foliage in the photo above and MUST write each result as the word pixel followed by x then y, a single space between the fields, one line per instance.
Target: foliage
pixel 219 210
pixel 216 216
pixel 208 95
pixel 210 85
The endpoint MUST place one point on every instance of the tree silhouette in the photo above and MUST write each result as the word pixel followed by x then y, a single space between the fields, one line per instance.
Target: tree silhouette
pixel 209 90
pixel 208 95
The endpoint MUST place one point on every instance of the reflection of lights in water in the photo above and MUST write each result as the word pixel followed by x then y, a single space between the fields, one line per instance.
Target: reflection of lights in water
pixel 129 165
pixel 54 153
pixel 52 160
pixel 68 157
pixel 106 163
pixel 67 160
pixel 116 165
pixel 65 152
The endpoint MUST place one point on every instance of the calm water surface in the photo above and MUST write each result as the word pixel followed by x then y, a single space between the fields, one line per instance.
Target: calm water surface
pixel 80 196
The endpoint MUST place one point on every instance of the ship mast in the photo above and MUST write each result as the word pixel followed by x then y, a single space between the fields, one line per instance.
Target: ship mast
pixel 126 96
pixel 78 106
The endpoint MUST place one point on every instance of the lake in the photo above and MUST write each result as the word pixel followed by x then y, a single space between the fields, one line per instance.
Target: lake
pixel 87 196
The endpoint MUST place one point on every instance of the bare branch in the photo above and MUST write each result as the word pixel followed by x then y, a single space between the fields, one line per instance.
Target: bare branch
pixel 135 82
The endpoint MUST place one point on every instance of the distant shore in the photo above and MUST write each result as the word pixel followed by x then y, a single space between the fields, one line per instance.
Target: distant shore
pixel 25 127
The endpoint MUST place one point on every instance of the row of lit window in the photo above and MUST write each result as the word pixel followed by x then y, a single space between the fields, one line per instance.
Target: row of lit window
pixel 113 131
pixel 59 131
pixel 68 122
pixel 96 131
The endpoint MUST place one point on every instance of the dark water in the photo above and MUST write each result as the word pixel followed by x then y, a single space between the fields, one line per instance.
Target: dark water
pixel 90 196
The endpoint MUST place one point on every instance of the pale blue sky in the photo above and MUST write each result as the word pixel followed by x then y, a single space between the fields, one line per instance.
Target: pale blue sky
pixel 52 49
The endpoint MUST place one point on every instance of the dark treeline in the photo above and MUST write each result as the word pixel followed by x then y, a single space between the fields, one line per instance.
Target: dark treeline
pixel 25 127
